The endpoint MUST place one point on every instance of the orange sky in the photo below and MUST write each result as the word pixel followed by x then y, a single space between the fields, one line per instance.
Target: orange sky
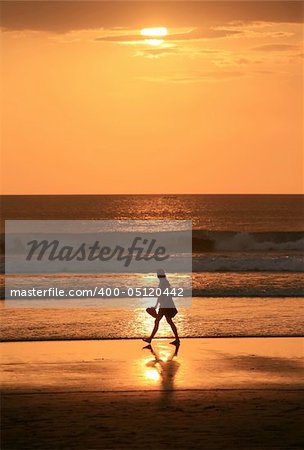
pixel 89 106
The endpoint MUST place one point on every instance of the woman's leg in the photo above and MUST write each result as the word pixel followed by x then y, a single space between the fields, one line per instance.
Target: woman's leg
pixel 156 325
pixel 173 327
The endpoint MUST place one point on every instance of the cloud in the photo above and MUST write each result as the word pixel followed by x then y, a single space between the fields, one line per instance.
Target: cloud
pixel 197 34
pixel 276 48
pixel 210 76
pixel 64 16
pixel 260 29
pixel 159 52
pixel 177 50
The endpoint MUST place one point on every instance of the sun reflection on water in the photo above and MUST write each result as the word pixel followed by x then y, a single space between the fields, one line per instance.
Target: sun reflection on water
pixel 152 374
pixel 161 366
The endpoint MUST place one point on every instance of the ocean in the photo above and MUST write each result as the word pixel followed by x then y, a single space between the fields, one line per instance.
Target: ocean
pixel 248 254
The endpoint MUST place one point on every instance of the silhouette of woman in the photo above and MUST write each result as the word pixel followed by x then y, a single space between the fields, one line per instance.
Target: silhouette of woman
pixel 166 308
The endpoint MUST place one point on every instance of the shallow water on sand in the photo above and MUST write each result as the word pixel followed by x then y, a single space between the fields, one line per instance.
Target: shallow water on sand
pixel 205 317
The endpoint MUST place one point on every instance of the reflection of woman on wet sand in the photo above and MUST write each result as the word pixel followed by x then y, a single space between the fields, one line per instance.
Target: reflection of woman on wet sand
pixel 167 367
pixel 166 308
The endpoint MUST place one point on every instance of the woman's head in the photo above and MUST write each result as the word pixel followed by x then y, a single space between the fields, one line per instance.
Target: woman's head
pixel 161 273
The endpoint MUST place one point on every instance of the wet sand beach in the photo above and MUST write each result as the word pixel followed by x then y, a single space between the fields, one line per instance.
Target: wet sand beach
pixel 214 393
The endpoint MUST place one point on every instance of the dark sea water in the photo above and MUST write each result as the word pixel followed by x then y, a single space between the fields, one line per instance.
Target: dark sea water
pixel 242 213
pixel 247 254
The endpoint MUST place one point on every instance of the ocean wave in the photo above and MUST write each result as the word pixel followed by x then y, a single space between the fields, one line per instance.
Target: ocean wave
pixel 228 251
pixel 246 263
pixel 234 241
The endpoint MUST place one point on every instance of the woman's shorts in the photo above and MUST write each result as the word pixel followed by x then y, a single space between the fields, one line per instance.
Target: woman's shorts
pixel 167 312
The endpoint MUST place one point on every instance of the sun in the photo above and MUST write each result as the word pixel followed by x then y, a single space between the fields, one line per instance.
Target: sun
pixel 154 32
pixel 154 35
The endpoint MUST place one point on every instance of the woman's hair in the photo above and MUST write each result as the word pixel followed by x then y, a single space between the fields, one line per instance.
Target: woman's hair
pixel 163 280
pixel 161 273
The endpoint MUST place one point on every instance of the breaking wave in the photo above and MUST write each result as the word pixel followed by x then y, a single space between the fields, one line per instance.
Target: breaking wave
pixel 233 241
